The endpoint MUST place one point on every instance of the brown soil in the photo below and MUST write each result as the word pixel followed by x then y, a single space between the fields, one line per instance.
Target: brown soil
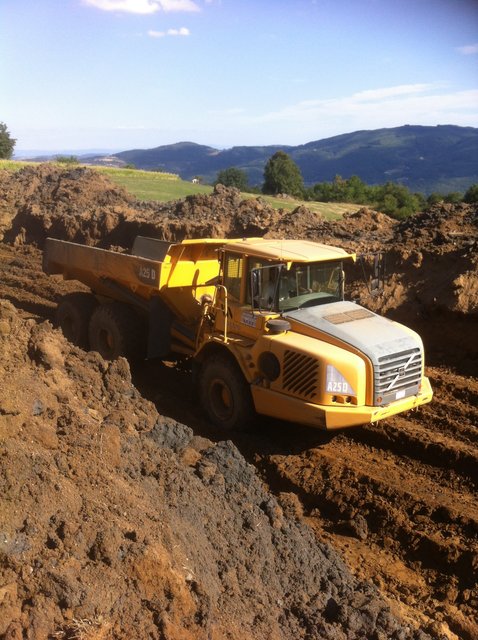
pixel 117 521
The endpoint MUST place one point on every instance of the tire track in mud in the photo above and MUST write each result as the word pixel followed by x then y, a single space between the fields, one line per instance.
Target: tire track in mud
pixel 458 416
pixel 414 440
pixel 390 503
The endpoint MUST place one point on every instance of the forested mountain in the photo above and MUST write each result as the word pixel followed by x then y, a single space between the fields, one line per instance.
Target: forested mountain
pixel 442 158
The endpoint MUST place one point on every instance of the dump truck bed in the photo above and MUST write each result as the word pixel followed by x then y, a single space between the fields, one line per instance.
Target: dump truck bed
pixel 97 268
pixel 179 273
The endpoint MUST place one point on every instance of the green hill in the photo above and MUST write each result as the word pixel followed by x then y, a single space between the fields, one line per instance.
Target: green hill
pixel 426 159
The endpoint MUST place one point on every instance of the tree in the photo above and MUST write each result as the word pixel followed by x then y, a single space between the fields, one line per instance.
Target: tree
pixel 322 192
pixel 471 195
pixel 454 197
pixel 434 198
pixel 355 190
pixel 67 159
pixel 393 199
pixel 340 190
pixel 397 201
pixel 282 175
pixel 7 143
pixel 232 177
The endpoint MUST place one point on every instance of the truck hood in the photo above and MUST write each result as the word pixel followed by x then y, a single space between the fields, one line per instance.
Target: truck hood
pixel 373 335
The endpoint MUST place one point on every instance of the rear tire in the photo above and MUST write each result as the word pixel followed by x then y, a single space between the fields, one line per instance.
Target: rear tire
pixel 73 317
pixel 225 394
pixel 117 330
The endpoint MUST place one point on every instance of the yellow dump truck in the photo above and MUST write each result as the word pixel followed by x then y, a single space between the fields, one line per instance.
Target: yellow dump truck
pixel 264 322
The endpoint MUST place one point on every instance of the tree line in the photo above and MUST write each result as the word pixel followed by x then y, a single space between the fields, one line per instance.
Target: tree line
pixel 283 176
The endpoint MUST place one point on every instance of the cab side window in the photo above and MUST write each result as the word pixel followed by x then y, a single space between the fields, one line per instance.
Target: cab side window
pixel 265 284
pixel 233 268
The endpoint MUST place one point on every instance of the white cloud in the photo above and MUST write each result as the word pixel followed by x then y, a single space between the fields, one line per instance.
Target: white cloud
pixel 183 31
pixel 178 5
pixel 386 107
pixel 469 49
pixel 389 92
pixel 143 6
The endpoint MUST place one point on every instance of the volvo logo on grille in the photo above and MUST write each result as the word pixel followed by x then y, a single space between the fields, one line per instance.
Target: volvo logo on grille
pixel 401 372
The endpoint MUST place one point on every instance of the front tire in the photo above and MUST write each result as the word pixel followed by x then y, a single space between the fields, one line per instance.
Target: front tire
pixel 225 394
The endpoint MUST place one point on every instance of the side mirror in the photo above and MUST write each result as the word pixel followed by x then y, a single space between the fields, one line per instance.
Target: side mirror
pixel 342 284
pixel 256 283
pixel 256 286
pixel 373 270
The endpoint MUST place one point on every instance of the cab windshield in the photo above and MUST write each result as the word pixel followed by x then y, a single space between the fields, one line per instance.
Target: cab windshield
pixel 303 285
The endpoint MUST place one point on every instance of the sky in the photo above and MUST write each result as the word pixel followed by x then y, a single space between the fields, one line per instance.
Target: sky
pixel 123 74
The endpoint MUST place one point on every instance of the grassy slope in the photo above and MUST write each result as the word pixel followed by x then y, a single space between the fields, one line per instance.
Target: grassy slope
pixel 162 187
pixel 151 185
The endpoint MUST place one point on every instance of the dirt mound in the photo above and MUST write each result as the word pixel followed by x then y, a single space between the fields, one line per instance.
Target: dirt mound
pixel 121 522
pixel 81 205
pixel 34 200
pixel 440 248
pixel 225 213
pixel 440 226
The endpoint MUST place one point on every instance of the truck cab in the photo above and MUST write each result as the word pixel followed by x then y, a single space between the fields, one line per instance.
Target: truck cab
pixel 306 354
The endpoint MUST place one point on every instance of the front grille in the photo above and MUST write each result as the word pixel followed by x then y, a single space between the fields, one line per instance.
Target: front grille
pixel 398 375
pixel 300 374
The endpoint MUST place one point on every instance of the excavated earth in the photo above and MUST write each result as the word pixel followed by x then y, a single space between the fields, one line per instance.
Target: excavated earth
pixel 124 514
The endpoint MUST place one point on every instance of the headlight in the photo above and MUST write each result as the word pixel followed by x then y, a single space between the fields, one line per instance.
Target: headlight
pixel 336 383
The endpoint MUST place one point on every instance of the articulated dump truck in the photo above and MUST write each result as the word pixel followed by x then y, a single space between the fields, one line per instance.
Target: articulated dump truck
pixel 264 323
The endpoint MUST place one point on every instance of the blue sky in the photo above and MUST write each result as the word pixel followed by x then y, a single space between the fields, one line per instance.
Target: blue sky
pixel 122 74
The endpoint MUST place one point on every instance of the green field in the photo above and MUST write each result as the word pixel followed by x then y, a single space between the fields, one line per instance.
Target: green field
pixel 15 165
pixel 152 185
pixel 329 210
pixel 163 187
